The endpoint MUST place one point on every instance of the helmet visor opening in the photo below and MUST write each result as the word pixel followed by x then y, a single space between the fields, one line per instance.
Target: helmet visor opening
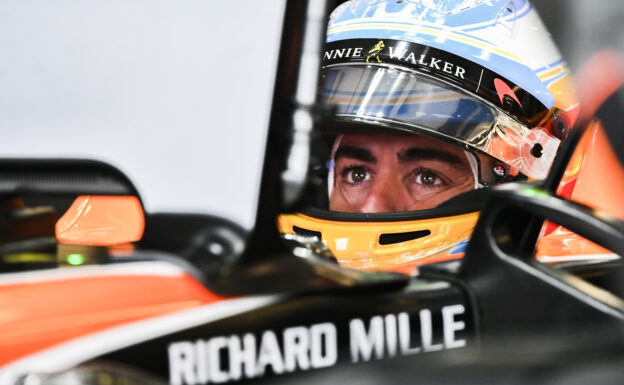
pixel 376 173
pixel 388 94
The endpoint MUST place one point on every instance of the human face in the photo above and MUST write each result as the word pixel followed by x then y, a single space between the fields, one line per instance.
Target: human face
pixel 392 173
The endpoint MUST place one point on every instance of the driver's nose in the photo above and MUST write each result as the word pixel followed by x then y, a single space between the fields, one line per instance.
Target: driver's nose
pixel 385 196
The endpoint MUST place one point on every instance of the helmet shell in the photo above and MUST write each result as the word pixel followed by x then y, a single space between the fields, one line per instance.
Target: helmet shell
pixel 504 36
pixel 503 39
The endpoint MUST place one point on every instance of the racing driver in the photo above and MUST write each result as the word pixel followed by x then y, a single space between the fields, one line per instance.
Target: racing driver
pixel 435 101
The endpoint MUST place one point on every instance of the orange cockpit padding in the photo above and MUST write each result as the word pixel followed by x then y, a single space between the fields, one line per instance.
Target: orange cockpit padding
pixel 600 180
pixel 101 221
pixel 595 178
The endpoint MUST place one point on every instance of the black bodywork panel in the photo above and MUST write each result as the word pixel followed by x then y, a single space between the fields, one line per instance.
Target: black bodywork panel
pixel 356 320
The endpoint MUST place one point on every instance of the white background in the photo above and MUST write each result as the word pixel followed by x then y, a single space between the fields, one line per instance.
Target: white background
pixel 176 94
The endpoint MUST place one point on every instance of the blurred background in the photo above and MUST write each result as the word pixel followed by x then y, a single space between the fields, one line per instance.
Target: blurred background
pixel 177 94
pixel 581 27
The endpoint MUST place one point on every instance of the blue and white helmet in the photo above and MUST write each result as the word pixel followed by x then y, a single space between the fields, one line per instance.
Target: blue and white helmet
pixel 483 74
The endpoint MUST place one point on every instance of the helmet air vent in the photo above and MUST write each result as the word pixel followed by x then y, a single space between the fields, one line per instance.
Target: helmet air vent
pixel 389 239
pixel 307 233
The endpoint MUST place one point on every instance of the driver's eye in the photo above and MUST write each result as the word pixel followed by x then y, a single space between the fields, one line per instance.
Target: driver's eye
pixel 427 178
pixel 356 175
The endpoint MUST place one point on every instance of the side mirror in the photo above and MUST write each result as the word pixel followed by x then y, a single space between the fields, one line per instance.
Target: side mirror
pixel 98 203
pixel 94 220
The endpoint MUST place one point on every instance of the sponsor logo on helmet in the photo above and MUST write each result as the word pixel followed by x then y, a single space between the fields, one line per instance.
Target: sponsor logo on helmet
pixel 399 54
pixel 374 52
pixel 502 89
pixel 444 65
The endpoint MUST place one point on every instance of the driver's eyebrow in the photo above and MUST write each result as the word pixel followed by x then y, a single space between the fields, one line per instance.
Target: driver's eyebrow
pixel 414 153
pixel 354 152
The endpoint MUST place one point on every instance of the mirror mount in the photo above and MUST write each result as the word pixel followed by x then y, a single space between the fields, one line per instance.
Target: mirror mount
pixel 293 117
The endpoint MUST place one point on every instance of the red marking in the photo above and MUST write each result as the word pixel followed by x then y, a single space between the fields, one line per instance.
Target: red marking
pixel 550 227
pixel 503 89
pixel 566 190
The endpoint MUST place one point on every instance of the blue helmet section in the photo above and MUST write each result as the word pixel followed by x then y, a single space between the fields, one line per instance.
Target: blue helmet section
pixel 481 31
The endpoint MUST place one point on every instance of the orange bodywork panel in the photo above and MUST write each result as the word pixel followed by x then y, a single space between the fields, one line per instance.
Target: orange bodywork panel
pixel 595 178
pixel 600 180
pixel 39 313
pixel 101 221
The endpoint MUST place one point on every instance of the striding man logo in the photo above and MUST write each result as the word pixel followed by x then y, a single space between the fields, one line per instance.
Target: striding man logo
pixel 375 51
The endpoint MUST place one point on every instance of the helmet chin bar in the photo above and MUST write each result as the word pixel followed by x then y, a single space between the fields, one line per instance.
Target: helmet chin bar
pixel 359 242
